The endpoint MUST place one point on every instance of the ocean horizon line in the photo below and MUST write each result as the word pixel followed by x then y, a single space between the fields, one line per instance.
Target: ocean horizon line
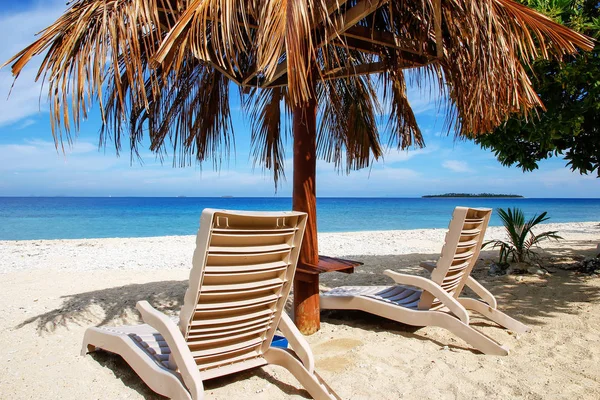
pixel 290 197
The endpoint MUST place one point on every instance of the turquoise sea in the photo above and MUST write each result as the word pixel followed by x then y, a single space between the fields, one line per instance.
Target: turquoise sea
pixel 99 217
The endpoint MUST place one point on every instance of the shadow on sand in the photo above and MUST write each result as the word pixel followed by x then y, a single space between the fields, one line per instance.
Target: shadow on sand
pixel 112 306
pixel 530 300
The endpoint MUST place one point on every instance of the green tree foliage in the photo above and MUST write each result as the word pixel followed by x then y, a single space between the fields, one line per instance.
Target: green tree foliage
pixel 521 239
pixel 570 126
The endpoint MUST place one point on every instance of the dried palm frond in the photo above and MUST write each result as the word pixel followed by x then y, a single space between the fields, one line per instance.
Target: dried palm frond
pixel 402 123
pixel 268 134
pixel 348 134
pixel 164 66
pixel 191 113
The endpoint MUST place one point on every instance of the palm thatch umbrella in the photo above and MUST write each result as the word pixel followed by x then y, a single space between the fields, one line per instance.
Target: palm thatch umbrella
pixel 164 67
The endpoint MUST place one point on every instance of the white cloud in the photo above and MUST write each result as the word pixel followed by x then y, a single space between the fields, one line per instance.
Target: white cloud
pixel 21 28
pixel 26 123
pixel 35 167
pixel 24 100
pixel 393 155
pixel 37 155
pixel 456 166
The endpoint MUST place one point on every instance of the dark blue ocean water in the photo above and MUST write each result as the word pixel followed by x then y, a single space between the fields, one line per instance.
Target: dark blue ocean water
pixel 86 217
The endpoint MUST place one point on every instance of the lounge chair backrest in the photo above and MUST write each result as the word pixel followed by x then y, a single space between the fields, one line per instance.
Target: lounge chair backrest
pixel 242 272
pixel 459 254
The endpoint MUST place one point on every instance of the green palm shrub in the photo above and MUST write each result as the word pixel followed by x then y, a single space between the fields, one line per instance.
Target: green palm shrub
pixel 521 239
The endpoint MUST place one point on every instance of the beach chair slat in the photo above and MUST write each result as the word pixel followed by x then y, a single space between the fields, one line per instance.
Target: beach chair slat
pixel 159 350
pixel 225 332
pixel 249 249
pixel 470 232
pixel 254 221
pixel 412 297
pixel 152 343
pixel 469 243
pixel 401 295
pixel 222 328
pixel 247 240
pixel 226 349
pixel 463 256
pixel 251 277
pixel 245 286
pixel 411 305
pixel 224 305
pixel 214 312
pixel 147 337
pixel 456 276
pixel 253 236
pixel 233 334
pixel 226 360
pixel 241 294
pixel 210 366
pixel 462 264
pixel 473 221
pixel 236 261
pixel 244 268
pixel 450 287
pixel 228 319
pixel 251 231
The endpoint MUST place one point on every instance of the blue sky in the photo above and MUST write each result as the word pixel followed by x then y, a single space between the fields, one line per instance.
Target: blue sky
pixel 30 165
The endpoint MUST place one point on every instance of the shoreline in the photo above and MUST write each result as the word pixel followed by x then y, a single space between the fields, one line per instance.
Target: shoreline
pixel 546 226
pixel 175 252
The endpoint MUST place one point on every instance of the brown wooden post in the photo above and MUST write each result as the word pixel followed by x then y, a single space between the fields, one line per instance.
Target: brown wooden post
pixel 306 287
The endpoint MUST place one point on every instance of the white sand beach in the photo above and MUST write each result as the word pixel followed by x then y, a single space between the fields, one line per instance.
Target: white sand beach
pixel 52 290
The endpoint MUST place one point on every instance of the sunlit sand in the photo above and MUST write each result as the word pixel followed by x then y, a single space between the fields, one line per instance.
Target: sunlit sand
pixel 52 290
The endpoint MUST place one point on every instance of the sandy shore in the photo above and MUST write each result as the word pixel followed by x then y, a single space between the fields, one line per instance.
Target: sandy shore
pixel 53 289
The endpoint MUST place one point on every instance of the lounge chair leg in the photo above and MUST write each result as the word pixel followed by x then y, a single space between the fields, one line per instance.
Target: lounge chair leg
pixel 470 335
pixel 87 347
pixel 494 315
pixel 311 382
pixel 90 348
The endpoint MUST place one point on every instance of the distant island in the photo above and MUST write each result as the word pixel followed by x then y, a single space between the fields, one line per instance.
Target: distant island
pixel 493 195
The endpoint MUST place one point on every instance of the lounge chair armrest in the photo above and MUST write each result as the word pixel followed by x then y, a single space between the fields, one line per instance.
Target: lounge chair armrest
pixel 178 346
pixel 475 286
pixel 430 286
pixel 482 292
pixel 297 342
pixel 428 265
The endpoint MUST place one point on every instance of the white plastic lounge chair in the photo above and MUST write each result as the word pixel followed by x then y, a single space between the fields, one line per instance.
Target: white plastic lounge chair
pixel 419 301
pixel 242 272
